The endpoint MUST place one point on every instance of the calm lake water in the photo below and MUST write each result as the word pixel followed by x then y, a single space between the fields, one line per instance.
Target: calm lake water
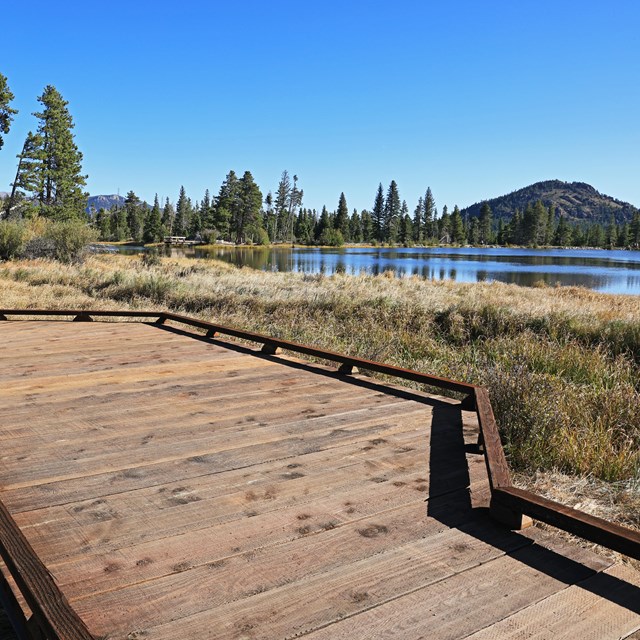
pixel 613 271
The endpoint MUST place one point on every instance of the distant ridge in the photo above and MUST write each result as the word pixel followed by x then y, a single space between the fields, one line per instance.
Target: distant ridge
pixel 104 202
pixel 575 201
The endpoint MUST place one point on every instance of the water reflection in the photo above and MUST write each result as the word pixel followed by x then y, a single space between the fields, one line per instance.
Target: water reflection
pixel 609 271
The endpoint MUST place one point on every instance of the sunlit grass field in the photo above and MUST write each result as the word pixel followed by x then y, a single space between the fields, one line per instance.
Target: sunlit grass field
pixel 562 364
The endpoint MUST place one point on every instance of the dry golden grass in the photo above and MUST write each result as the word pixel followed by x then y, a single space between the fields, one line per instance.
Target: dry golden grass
pixel 562 364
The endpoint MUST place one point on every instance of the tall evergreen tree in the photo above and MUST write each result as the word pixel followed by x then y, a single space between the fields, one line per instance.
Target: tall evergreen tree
pixel 60 162
pixel 418 219
pixel 246 214
pixel 119 226
pixel 153 231
pixel 355 227
pixel 612 231
pixel 28 175
pixel 377 214
pixel 168 215
pixel 429 215
pixel 634 230
pixel 457 227
pixel 226 203
pixel 392 209
pixel 135 216
pixel 6 112
pixel 368 233
pixel 181 220
pixel 484 224
pixel 444 226
pixel 323 224
pixel 405 230
pixel 206 211
pixel 342 217
pixel 103 224
pixel 270 217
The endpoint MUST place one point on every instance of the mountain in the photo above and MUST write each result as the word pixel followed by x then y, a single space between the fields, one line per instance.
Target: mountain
pixel 575 201
pixel 104 202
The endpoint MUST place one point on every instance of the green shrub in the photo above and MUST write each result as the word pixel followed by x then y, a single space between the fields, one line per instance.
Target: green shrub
pixel 70 240
pixel 13 236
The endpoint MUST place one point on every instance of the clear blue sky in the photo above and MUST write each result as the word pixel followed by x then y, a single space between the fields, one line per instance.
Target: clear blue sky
pixel 472 98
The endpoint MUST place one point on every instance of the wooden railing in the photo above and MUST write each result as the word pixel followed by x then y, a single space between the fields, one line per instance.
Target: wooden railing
pixel 509 505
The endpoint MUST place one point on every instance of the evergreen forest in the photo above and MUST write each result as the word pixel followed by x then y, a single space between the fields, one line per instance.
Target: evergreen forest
pixel 49 183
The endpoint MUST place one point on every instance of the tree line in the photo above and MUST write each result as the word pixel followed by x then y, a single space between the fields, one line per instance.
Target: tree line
pixel 49 183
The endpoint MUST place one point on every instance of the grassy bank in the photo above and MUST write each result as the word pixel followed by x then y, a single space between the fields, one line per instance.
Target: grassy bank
pixel 562 364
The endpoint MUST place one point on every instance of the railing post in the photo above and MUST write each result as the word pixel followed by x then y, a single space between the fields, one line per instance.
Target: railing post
pixel 347 369
pixel 83 317
pixel 514 520
pixel 270 349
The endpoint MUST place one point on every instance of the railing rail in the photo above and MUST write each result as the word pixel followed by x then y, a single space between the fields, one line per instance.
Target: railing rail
pixel 508 503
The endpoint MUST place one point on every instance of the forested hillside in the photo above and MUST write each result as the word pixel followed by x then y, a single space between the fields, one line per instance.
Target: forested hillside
pixel 576 202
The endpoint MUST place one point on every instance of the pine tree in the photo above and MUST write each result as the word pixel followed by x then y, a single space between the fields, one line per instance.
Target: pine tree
pixel 612 231
pixel 562 236
pixel 206 211
pixel 168 215
pixel 323 224
pixel 368 233
pixel 246 214
pixel 60 161
pixel 226 203
pixel 444 226
pixel 418 218
pixel 6 112
pixel 195 223
pixel 551 220
pixel 634 231
pixel 457 227
pixel 181 220
pixel 355 227
pixel 392 208
pixel 153 231
pixel 484 224
pixel 270 217
pixel 405 231
pixel 429 215
pixel 281 206
pixel 342 217
pixel 119 226
pixel 135 216
pixel 28 175
pixel 103 224
pixel 377 214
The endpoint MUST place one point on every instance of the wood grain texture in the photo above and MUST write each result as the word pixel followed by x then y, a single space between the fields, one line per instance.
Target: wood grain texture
pixel 179 487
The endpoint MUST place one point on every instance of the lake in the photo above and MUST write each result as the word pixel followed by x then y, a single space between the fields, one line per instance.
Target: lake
pixel 609 271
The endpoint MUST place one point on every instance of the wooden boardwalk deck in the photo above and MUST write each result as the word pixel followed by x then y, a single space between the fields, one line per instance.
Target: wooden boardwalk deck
pixel 186 488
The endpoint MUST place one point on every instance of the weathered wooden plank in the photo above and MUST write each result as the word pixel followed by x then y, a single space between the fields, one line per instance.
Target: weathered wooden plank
pixel 54 614
pixel 497 467
pixel 368 488
pixel 277 441
pixel 296 541
pixel 582 524
pixel 605 606
pixel 99 485
pixel 321 596
pixel 468 601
